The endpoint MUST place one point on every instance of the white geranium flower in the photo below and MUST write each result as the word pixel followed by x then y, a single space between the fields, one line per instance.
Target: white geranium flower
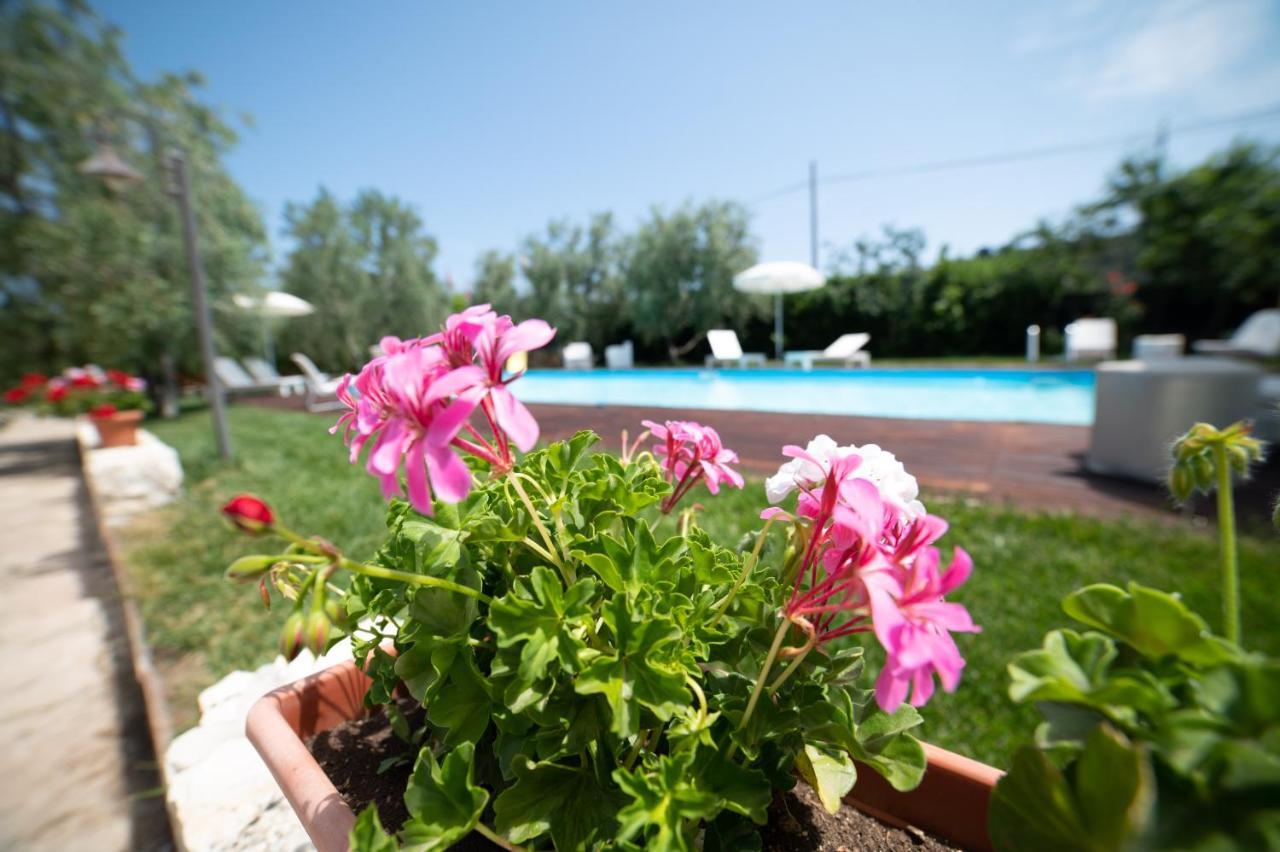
pixel 879 467
pixel 799 473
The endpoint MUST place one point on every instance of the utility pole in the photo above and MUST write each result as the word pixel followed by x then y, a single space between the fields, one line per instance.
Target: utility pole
pixel 813 213
pixel 182 192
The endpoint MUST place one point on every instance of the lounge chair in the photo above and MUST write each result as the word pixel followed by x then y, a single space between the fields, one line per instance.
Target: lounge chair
pixel 847 349
pixel 1257 337
pixel 319 385
pixel 725 349
pixel 578 356
pixel 1091 339
pixel 620 356
pixel 236 382
pixel 265 372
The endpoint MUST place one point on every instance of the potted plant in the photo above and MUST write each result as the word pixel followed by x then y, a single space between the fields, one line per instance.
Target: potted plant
pixel 114 400
pixel 588 667
pixel 1157 734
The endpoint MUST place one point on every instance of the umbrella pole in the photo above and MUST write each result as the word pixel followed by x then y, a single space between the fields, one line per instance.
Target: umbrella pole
pixel 777 325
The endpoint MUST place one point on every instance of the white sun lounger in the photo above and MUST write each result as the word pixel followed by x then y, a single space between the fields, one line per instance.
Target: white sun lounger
pixel 846 349
pixel 725 349
pixel 1257 337
pixel 320 388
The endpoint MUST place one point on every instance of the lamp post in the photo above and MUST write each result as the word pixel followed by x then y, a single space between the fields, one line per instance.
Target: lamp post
pixel 108 166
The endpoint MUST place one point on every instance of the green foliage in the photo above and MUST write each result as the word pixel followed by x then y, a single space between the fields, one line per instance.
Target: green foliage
pixel 578 666
pixel 1157 734
pixel 679 274
pixel 495 282
pixel 88 274
pixel 366 267
pixel 574 280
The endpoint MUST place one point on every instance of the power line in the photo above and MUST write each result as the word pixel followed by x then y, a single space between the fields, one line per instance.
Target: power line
pixel 1022 155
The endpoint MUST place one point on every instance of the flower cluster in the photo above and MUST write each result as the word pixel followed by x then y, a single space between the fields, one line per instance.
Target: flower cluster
pixel 79 390
pixel 690 453
pixel 413 405
pixel 868 564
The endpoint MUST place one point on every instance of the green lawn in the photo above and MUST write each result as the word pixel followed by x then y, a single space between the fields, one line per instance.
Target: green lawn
pixel 203 626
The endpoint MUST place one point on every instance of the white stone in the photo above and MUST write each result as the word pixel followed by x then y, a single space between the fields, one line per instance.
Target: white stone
pixel 129 480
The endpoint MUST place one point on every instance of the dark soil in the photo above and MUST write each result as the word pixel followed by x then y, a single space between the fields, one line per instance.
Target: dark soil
pixel 351 753
pixel 799 823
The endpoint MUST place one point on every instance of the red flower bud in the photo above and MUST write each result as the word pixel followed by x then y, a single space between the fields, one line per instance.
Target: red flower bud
pixel 57 393
pixel 106 409
pixel 264 592
pixel 16 396
pixel 249 514
pixel 33 380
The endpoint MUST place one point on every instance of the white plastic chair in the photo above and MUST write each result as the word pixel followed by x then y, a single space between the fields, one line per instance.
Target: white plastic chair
pixel 1091 338
pixel 1257 337
pixel 578 355
pixel 319 385
pixel 620 356
pixel 726 349
pixel 266 373
pixel 236 382
pixel 846 349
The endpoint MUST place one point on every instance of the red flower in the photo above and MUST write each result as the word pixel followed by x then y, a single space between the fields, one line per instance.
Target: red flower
pixel 106 409
pixel 84 380
pixel 249 514
pixel 119 378
pixel 33 380
pixel 56 393
pixel 16 396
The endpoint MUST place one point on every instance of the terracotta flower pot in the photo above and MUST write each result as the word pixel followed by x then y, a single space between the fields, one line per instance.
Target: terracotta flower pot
pixel 117 430
pixel 950 802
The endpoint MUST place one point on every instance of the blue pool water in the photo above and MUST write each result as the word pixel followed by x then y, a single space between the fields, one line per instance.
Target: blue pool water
pixel 1046 396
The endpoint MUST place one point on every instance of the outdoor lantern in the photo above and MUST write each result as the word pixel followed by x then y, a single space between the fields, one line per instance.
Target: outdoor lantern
pixel 111 168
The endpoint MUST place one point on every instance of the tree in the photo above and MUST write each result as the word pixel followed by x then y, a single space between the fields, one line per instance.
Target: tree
pixel 495 282
pixel 86 273
pixel 574 280
pixel 366 268
pixel 679 274
pixel 1204 239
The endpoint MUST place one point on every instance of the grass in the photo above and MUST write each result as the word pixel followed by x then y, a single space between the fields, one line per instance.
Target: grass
pixel 202 626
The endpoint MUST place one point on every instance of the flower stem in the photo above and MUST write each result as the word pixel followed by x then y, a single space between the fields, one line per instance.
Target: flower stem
pixel 414 579
pixel 747 567
pixel 764 673
pixel 497 839
pixel 550 556
pixel 793 665
pixel 1227 541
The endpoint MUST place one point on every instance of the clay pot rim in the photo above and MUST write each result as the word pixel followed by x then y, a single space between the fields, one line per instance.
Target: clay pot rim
pixel 953 795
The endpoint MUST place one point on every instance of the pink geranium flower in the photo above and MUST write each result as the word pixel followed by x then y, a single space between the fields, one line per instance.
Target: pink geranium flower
pixel 410 404
pixel 689 453
pixel 869 565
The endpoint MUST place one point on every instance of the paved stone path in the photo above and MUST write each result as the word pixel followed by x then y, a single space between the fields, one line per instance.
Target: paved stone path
pixel 76 769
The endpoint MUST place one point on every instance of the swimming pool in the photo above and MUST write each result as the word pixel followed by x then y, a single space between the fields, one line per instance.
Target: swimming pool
pixel 1028 396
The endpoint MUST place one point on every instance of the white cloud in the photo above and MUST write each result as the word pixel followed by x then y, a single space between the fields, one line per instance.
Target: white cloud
pixel 1183 47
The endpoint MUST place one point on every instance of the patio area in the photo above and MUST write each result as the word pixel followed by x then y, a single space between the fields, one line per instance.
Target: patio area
pixel 1033 466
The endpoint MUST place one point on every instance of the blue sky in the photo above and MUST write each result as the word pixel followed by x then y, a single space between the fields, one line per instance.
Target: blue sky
pixel 494 117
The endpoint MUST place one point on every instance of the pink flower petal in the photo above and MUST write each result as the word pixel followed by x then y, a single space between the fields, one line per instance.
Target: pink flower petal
pixel 449 475
pixel 514 419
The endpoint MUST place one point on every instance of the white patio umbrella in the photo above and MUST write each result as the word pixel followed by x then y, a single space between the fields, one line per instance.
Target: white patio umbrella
pixel 779 277
pixel 273 304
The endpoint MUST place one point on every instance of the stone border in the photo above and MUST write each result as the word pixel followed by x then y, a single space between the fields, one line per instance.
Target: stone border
pixel 155 703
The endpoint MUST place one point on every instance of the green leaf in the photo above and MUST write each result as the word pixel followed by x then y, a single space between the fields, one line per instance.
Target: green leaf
pixel 830 773
pixel 1106 805
pixel 566 802
pixel 663 797
pixel 629 565
pixel 368 835
pixel 738 788
pixel 444 804
pixel 540 617
pixel 462 707
pixel 1155 623
pixel 639 672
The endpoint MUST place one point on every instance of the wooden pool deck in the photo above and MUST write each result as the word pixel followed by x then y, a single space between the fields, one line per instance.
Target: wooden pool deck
pixel 1031 466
